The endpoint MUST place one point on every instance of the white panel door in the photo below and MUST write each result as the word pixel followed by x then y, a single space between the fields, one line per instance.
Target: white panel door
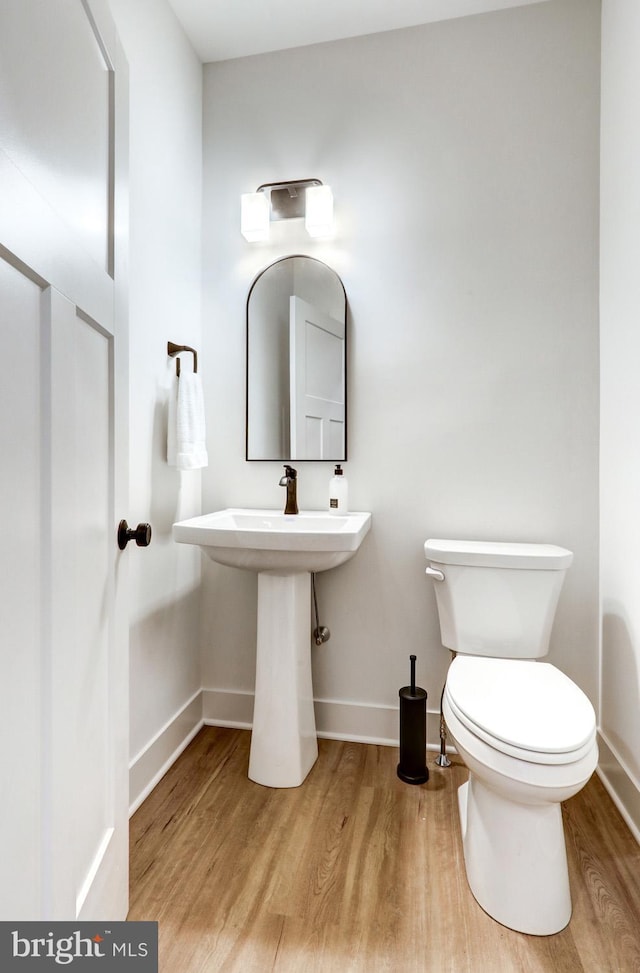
pixel 63 449
pixel 317 366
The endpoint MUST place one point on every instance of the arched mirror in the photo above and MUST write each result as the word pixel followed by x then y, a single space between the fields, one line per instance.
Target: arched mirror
pixel 296 363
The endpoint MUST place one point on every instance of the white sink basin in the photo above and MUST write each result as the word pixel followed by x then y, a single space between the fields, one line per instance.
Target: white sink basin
pixel 283 549
pixel 267 540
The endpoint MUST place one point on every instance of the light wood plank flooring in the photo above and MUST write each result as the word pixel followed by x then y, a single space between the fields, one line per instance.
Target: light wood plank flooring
pixel 355 872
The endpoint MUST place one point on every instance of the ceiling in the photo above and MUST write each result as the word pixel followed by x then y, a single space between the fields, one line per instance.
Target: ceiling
pixel 223 29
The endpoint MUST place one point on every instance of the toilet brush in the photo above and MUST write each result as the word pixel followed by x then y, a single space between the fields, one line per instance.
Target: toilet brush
pixel 413 731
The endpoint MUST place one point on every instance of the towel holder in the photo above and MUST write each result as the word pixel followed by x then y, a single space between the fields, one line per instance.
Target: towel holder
pixel 173 350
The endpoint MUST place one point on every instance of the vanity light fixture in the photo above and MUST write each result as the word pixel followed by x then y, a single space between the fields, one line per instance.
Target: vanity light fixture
pixel 254 218
pixel 318 217
pixel 304 199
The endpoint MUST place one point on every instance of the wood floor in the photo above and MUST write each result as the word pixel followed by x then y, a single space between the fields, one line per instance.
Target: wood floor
pixel 355 872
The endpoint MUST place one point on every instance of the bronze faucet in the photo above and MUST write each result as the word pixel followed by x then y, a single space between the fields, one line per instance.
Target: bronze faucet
pixel 291 482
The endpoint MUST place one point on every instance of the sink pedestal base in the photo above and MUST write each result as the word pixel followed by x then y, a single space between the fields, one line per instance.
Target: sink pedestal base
pixel 284 746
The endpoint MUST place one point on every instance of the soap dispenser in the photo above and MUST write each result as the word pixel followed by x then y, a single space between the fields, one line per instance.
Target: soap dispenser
pixel 338 492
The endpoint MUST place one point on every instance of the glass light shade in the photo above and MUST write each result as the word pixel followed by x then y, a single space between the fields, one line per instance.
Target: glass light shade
pixel 254 216
pixel 318 218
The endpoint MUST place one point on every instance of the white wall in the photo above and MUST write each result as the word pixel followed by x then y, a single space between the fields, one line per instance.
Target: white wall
pixel 464 161
pixel 165 260
pixel 620 410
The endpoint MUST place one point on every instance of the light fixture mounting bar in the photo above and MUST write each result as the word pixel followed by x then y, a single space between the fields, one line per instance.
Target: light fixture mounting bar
pixel 287 199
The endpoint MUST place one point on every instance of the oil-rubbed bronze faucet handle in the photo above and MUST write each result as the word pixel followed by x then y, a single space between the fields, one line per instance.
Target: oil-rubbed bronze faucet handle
pixel 290 481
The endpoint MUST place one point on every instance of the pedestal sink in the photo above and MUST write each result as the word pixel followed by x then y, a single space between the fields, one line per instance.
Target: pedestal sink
pixel 284 550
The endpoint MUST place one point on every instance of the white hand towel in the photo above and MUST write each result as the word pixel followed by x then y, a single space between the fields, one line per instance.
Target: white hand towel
pixel 171 423
pixel 186 447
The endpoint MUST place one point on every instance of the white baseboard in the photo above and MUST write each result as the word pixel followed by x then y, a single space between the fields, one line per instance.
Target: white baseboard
pixel 223 707
pixel 623 789
pixel 155 759
pixel 335 719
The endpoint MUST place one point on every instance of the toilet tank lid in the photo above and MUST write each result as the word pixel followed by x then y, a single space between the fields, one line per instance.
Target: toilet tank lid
pixel 498 554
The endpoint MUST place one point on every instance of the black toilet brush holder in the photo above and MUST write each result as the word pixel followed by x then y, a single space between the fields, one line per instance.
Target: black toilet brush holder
pixel 413 731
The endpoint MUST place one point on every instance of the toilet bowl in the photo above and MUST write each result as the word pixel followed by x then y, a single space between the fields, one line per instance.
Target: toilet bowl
pixel 519 773
pixel 525 731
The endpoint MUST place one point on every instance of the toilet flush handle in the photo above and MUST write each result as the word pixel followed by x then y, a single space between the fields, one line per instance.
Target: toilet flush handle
pixel 434 574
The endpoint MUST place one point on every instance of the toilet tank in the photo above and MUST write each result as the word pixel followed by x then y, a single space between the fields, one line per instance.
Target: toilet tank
pixel 497 599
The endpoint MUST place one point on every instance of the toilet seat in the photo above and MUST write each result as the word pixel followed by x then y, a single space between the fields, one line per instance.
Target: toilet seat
pixel 528 710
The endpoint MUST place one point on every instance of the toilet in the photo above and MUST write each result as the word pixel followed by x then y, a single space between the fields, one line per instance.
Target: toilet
pixel 525 731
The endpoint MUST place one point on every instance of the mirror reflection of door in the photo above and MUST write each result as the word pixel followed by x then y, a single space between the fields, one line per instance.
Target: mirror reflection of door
pixel 316 378
pixel 310 423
